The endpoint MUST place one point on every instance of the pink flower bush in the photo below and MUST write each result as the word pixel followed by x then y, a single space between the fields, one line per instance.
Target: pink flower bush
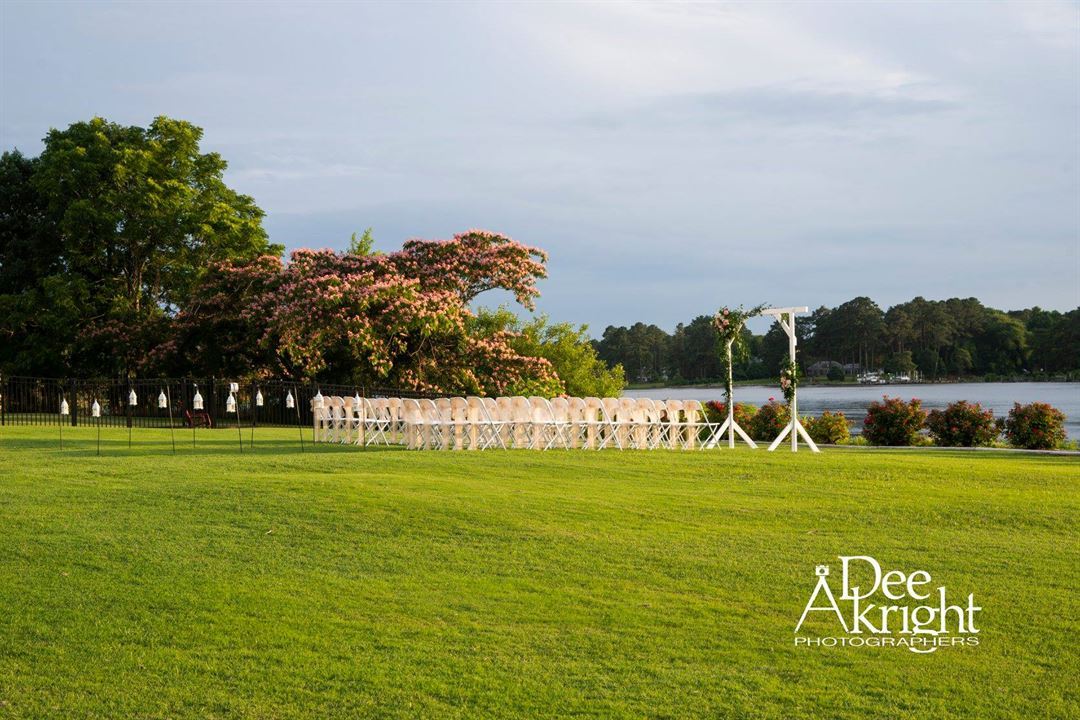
pixel 893 421
pixel 1036 426
pixel 962 424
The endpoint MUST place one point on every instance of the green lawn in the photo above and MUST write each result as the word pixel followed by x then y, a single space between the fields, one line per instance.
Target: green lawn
pixel 385 583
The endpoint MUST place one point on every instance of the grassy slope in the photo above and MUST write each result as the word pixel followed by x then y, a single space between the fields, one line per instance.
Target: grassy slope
pixel 387 583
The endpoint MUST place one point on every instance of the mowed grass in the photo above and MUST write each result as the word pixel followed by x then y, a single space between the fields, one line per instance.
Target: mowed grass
pixel 384 583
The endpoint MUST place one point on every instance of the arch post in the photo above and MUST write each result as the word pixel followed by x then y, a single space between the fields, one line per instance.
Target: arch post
pixel 730 426
pixel 794 428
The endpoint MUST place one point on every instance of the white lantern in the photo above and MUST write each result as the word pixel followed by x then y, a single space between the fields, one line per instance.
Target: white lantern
pixel 196 402
pixel 64 408
pixel 258 399
pixel 289 401
pixel 133 399
pixel 234 387
pixel 356 400
pixel 230 404
pixel 95 409
pixel 318 401
pixel 162 401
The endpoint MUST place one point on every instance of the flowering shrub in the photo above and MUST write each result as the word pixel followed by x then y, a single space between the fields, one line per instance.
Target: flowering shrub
pixel 769 421
pixel 1038 426
pixel 962 424
pixel 744 413
pixel 893 421
pixel 829 428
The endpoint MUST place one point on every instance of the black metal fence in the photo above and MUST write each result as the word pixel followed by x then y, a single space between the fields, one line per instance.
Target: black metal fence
pixel 167 402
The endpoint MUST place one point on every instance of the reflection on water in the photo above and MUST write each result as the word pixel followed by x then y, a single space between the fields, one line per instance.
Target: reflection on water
pixel 854 399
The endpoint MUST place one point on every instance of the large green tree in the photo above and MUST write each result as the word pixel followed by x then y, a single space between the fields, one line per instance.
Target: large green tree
pixel 643 351
pixel 580 371
pixel 102 238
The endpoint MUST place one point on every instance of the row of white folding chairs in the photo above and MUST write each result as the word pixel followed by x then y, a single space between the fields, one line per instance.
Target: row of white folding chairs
pixel 476 423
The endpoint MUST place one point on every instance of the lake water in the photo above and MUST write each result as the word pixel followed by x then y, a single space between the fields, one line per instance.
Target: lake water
pixel 854 399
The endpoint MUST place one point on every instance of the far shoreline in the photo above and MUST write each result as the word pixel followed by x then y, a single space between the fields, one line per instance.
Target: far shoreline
pixel 804 383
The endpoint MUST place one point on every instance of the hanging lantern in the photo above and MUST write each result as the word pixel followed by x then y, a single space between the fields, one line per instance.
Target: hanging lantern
pixel 162 401
pixel 64 408
pixel 258 399
pixel 196 402
pixel 318 402
pixel 234 387
pixel 95 409
pixel 133 399
pixel 289 401
pixel 356 400
pixel 230 404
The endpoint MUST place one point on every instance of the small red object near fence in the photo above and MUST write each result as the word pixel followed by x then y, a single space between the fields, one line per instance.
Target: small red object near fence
pixel 199 418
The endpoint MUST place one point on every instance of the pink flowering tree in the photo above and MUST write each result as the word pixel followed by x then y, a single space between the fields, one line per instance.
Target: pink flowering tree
pixel 471 263
pixel 400 319
pixel 223 328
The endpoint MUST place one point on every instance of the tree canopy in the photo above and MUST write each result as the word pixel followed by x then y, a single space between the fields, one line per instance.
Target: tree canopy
pixel 104 236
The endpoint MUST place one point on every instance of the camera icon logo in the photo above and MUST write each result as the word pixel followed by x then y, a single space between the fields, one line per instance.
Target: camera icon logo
pixel 822 570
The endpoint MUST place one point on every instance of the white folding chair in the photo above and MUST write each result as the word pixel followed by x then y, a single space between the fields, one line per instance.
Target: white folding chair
pixel 348 420
pixel 663 424
pixel 697 424
pixel 393 410
pixel 412 416
pixel 335 418
pixel 484 429
pixel 576 410
pixel 547 431
pixel 505 414
pixel 560 407
pixel 649 429
pixel 520 422
pixel 375 421
pixel 676 431
pixel 318 421
pixel 612 433
pixel 592 420
pixel 434 430
pixel 459 420
pixel 446 422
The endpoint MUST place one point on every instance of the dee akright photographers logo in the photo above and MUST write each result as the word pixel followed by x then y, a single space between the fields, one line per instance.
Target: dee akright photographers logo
pixel 875 609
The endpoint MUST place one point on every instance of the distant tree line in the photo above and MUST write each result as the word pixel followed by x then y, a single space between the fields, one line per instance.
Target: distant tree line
pixel 946 338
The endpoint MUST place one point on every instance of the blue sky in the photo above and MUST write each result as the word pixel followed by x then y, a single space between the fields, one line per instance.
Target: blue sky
pixel 670 157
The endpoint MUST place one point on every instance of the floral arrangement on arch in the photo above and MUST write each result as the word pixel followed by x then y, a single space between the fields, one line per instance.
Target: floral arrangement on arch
pixel 728 323
pixel 789 379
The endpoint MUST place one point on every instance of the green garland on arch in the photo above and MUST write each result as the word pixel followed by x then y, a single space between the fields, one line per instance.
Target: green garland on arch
pixel 728 323
pixel 789 379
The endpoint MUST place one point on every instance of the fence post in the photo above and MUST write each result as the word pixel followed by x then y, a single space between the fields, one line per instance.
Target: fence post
pixel 74 403
pixel 212 411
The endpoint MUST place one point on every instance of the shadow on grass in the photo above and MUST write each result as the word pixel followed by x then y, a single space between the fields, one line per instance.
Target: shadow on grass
pixel 204 446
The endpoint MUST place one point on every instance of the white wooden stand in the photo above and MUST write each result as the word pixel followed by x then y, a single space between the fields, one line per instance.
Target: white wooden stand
pixel 730 426
pixel 794 428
